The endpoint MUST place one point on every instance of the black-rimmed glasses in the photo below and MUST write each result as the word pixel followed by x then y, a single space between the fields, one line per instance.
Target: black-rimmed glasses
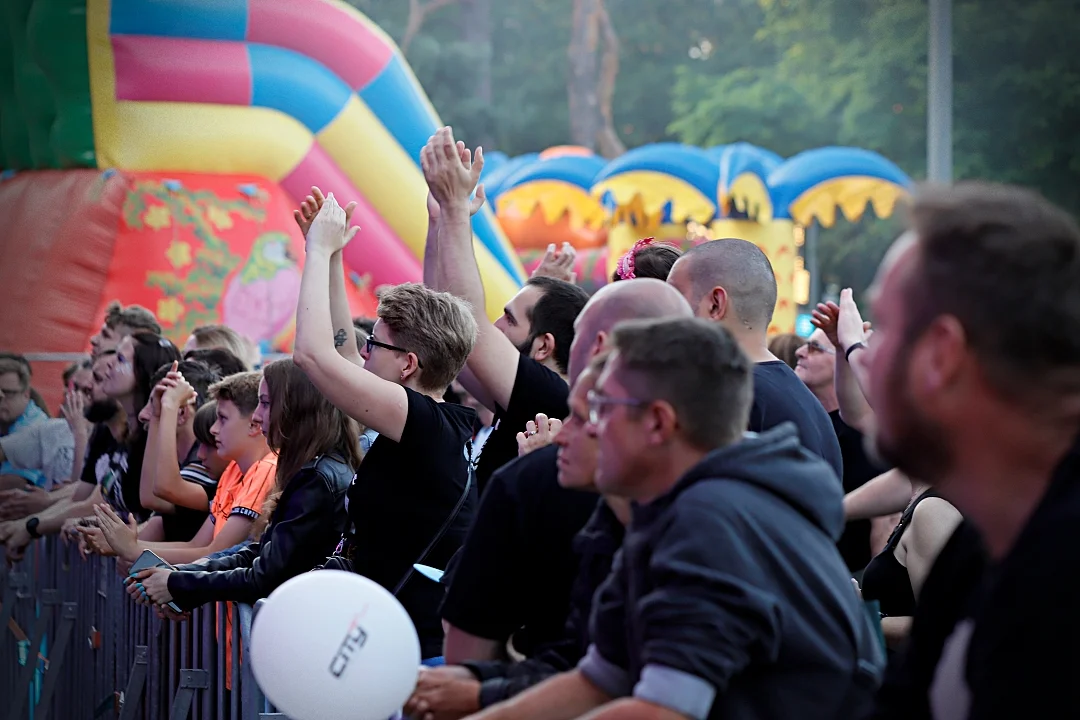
pixel 373 343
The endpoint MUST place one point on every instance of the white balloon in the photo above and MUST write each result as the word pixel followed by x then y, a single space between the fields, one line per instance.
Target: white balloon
pixel 333 645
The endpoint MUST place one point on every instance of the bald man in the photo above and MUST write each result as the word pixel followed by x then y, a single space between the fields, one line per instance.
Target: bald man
pixel 731 282
pixel 514 574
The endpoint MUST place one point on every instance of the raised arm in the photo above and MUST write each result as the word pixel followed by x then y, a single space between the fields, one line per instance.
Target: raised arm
pixel 167 483
pixel 451 177
pixel 854 408
pixel 376 403
pixel 340 316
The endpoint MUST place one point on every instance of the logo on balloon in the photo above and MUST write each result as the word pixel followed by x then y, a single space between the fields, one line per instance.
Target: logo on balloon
pixel 354 640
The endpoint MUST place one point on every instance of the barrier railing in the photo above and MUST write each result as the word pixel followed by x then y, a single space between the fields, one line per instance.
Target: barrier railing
pixel 73 646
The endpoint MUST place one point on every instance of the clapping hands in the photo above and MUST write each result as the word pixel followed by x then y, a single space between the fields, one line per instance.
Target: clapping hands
pixel 452 173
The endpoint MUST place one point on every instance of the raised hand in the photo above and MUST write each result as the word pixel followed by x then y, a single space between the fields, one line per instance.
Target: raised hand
pixel 74 411
pixel 850 328
pixel 327 231
pixel 178 391
pixel 538 433
pixel 452 173
pixel 825 317
pixel 309 208
pixel 558 263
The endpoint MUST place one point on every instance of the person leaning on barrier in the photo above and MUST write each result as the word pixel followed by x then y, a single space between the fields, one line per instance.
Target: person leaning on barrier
pixel 304 516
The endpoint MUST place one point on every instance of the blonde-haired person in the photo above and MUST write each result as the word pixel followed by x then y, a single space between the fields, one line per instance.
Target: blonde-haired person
pixel 206 337
pixel 412 484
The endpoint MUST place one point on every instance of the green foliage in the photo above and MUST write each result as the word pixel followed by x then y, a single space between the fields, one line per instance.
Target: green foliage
pixel 788 75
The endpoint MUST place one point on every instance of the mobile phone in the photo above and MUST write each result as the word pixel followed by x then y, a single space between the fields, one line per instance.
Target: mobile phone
pixel 149 559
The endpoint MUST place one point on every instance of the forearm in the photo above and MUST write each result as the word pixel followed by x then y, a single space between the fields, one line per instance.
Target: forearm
pixel 314 327
pixel 78 457
pixel 888 493
pixel 458 272
pixel 178 553
pixel 431 255
pixel 340 317
pixel 168 488
pixel 854 408
pixel 562 697
pixel 151 467
pixel 896 630
pixel 52 520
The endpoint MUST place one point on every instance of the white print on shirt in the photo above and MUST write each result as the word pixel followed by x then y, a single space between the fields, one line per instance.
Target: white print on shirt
pixel 950 697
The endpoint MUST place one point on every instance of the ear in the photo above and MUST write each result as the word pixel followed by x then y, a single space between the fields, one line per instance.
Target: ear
pixel 600 345
pixel 254 428
pixel 938 360
pixel 662 422
pixel 717 303
pixel 182 415
pixel 543 347
pixel 412 366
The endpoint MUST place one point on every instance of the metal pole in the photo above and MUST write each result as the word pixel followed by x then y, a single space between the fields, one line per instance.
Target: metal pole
pixel 939 159
pixel 810 262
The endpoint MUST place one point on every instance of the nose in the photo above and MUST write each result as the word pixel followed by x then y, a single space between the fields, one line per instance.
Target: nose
pixel 144 415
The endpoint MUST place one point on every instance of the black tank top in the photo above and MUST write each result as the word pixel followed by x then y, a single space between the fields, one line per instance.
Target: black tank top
pixel 885 579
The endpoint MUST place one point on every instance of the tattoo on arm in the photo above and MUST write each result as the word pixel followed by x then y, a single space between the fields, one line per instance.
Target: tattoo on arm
pixel 339 338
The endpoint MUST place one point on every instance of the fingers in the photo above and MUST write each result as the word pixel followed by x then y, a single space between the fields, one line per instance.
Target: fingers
pixel 479 200
pixel 554 426
pixel 349 211
pixel 478 164
pixel 530 428
pixel 445 144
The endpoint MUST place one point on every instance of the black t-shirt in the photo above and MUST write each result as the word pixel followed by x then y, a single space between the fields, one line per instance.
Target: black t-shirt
pixel 537 389
pixel 854 544
pixel 994 640
pixel 515 572
pixel 183 523
pixel 402 496
pixel 780 396
pixel 116 468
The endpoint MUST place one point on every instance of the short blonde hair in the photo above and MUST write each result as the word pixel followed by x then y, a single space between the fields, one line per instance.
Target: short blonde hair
pixel 224 337
pixel 438 327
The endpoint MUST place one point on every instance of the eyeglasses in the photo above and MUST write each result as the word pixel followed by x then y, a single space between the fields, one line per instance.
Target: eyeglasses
pixel 597 402
pixel 373 343
pixel 815 346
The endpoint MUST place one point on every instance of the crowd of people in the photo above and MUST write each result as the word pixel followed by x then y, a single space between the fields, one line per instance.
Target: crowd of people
pixel 645 507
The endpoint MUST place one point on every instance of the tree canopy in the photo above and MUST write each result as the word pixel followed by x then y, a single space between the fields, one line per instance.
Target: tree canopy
pixel 788 75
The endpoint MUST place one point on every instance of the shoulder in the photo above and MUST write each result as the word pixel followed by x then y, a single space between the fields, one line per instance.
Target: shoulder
pixel 935 509
pixel 538 385
pixel 529 473
pixel 432 414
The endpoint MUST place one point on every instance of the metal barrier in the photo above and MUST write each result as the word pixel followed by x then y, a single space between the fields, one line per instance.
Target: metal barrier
pixel 73 646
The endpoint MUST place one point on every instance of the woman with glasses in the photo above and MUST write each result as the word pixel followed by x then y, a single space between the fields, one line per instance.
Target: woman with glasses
pixel 411 501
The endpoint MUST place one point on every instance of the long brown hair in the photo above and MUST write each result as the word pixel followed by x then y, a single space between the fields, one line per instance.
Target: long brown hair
pixel 303 425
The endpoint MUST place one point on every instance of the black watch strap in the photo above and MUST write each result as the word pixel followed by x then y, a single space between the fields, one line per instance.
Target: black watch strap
pixel 852 348
pixel 32 525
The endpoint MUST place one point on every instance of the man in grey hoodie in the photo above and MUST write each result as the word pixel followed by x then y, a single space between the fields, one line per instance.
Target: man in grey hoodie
pixel 729 598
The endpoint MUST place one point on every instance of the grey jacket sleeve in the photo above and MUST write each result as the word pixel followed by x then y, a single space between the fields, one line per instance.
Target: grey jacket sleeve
pixel 706 617
pixel 606 661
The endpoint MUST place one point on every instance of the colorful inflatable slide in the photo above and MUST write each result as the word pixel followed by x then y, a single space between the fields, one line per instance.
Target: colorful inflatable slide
pixel 223 111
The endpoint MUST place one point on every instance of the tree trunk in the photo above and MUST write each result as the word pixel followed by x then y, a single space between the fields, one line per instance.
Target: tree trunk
pixel 418 11
pixel 591 81
pixel 476 31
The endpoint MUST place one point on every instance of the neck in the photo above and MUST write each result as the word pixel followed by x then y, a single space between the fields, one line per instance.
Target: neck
pixel 550 364
pixel 826 395
pixel 252 455
pixel 185 440
pixel 666 473
pixel 127 403
pixel 619 506
pixel 118 424
pixel 1003 471
pixel 753 341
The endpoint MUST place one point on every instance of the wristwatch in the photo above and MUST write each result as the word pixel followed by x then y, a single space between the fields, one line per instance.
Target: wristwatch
pixel 32 525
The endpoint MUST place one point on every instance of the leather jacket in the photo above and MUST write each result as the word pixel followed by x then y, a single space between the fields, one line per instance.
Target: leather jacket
pixel 308 521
